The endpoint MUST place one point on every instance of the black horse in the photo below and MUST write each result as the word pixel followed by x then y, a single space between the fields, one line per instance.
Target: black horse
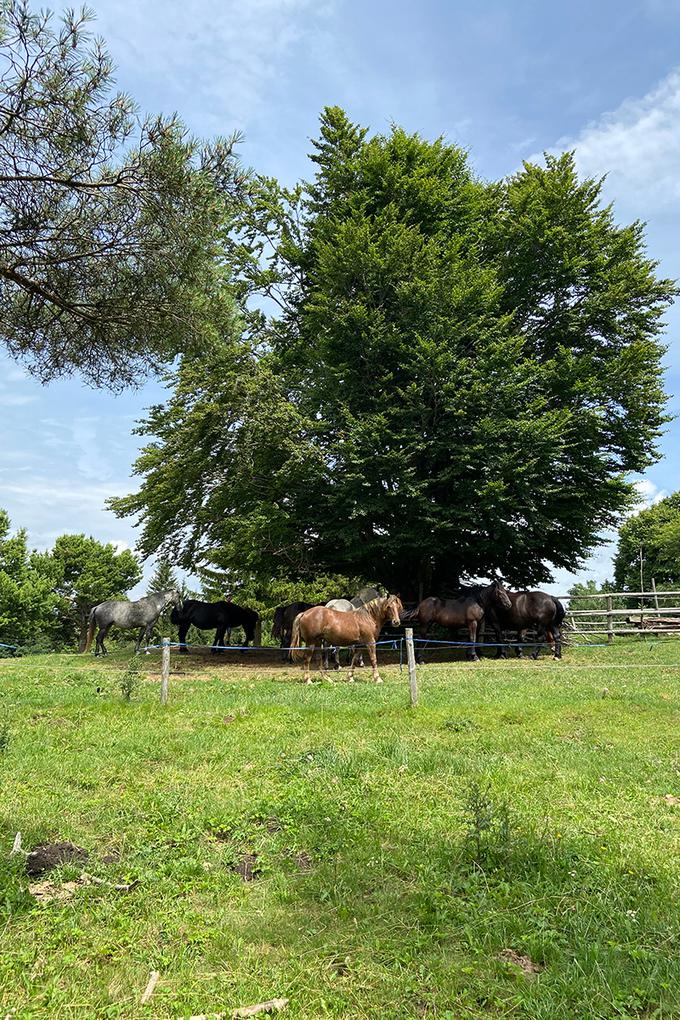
pixel 222 616
pixel 282 627
pixel 536 610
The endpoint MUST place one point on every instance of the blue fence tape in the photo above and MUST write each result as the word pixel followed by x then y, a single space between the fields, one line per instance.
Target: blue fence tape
pixel 13 647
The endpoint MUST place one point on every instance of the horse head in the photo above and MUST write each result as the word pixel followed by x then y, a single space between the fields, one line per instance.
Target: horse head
pixel 394 605
pixel 172 597
pixel 499 594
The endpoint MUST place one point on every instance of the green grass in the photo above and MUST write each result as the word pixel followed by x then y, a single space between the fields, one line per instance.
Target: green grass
pixel 380 894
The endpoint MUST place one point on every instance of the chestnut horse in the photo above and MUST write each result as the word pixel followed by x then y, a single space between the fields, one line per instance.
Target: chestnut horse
pixel 361 627
pixel 467 610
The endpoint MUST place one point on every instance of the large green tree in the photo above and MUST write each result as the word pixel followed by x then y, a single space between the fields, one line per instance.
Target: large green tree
pixel 109 223
pixel 28 603
pixel 88 572
pixel 654 533
pixel 458 379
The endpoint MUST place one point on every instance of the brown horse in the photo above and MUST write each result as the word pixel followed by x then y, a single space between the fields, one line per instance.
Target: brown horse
pixel 466 610
pixel 361 627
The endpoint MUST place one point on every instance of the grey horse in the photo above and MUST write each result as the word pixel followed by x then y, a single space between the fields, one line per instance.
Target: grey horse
pixel 142 614
pixel 349 606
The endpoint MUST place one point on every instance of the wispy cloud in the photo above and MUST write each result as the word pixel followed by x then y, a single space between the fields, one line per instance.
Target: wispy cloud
pixel 228 54
pixel 638 146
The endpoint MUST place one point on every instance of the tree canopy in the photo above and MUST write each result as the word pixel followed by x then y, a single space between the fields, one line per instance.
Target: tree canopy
pixel 87 572
pixel 457 380
pixel 28 603
pixel 109 223
pixel 656 532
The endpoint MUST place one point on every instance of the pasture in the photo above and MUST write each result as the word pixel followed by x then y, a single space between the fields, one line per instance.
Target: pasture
pixel 507 849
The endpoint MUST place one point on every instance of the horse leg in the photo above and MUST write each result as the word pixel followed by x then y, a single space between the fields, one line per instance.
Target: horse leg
pixel 420 659
pixel 370 648
pixel 521 635
pixel 352 662
pixel 308 656
pixel 182 638
pixel 472 633
pixel 557 637
pixel 537 647
pixel 501 651
pixel 103 631
pixel 147 634
pixel 138 642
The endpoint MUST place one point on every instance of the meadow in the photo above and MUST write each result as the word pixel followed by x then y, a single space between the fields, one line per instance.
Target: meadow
pixel 509 848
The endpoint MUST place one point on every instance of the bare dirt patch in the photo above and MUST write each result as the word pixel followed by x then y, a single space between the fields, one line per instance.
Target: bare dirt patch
pixel 525 963
pixel 246 866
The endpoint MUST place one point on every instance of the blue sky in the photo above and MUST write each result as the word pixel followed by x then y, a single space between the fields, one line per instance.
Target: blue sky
pixel 505 80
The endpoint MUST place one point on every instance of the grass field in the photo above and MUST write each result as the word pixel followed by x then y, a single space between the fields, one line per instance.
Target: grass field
pixel 507 849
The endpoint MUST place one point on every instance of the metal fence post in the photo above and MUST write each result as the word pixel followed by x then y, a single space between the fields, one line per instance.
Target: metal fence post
pixel 411 659
pixel 165 670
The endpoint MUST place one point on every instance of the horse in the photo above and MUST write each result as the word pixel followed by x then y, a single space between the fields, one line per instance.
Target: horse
pixel 466 610
pixel 282 627
pixel 535 609
pixel 220 615
pixel 347 606
pixel 142 614
pixel 363 627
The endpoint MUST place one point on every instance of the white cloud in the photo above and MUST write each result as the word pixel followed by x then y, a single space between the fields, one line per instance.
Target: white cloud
pixel 228 53
pixel 648 493
pixel 637 146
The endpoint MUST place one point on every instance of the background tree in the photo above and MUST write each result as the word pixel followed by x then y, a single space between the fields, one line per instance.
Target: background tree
pixel 28 604
pixel 460 377
pixel 163 577
pixel 655 531
pixel 88 572
pixel 108 226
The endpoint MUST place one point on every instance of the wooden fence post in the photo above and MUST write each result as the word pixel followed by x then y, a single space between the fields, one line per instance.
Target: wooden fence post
pixel 610 620
pixel 411 659
pixel 165 670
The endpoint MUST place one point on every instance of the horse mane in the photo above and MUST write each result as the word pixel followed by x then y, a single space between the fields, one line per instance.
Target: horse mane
pixel 374 607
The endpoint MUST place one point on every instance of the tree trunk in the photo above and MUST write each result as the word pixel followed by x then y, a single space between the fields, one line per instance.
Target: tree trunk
pixel 84 620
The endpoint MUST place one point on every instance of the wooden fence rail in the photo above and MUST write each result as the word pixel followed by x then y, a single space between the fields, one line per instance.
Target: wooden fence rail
pixel 654 619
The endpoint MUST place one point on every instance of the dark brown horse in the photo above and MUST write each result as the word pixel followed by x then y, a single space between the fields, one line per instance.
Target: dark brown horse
pixel 468 609
pixel 361 627
pixel 535 610
pixel 282 627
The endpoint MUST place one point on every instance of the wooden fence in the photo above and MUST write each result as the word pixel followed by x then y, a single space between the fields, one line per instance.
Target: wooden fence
pixel 647 612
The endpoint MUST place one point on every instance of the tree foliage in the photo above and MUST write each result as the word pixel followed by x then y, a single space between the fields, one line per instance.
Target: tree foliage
pixel 88 572
pixel 109 225
pixel 28 604
pixel 655 531
pixel 457 380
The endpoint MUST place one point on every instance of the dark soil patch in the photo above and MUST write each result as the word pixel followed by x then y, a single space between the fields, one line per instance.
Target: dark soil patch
pixel 246 867
pixel 50 855
pixel 303 862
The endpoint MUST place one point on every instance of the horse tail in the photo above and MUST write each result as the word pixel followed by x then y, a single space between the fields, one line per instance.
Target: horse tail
pixel 92 624
pixel 297 652
pixel 409 615
pixel 560 612
pixel 277 625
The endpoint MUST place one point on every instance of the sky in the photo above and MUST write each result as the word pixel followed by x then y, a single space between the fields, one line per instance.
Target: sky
pixel 508 81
